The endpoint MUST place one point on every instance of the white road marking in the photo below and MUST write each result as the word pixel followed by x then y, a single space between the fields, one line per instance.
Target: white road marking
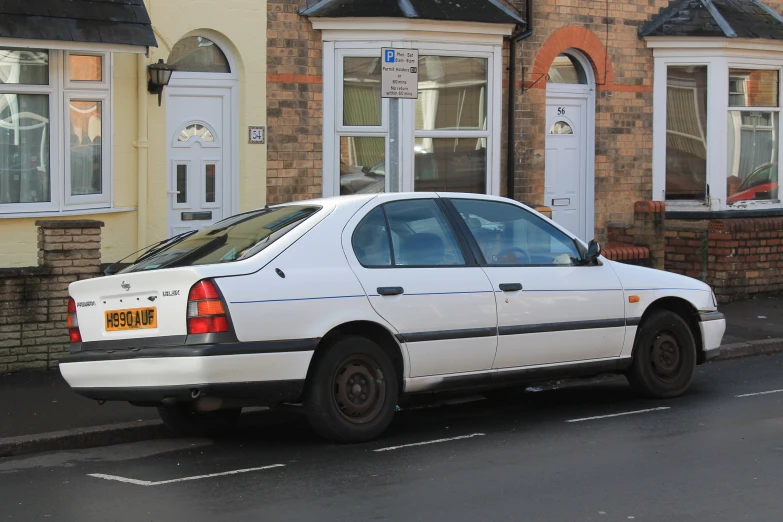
pixel 184 479
pixel 619 414
pixel 432 441
pixel 759 393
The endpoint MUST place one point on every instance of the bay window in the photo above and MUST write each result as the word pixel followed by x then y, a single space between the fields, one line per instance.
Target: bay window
pixel 445 140
pixel 54 137
pixel 716 122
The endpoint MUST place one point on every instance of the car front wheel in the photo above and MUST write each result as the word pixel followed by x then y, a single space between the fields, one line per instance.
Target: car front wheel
pixel 352 394
pixel 664 358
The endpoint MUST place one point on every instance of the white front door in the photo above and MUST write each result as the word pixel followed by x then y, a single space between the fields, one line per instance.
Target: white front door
pixel 199 159
pixel 566 179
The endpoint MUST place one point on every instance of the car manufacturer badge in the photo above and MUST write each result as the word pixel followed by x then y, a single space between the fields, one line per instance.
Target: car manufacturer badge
pixel 152 297
pixel 125 286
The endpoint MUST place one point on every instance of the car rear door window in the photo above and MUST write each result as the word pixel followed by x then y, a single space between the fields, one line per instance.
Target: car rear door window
pixel 510 235
pixel 421 236
pixel 371 241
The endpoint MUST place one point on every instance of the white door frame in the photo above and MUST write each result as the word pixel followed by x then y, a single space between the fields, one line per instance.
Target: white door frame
pixel 584 92
pixel 182 82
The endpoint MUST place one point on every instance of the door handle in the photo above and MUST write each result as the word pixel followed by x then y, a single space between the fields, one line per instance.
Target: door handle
pixel 510 287
pixel 390 290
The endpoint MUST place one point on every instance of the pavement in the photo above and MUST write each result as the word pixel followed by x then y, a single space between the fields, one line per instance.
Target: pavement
pixel 589 453
pixel 39 412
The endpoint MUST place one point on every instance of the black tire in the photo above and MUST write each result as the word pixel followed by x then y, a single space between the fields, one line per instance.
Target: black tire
pixel 184 421
pixel 664 358
pixel 353 390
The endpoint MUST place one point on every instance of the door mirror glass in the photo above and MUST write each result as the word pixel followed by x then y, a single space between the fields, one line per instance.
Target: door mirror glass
pixel 593 251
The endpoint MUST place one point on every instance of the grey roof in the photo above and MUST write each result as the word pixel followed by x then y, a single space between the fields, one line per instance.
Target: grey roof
pixel 487 11
pixel 100 21
pixel 722 18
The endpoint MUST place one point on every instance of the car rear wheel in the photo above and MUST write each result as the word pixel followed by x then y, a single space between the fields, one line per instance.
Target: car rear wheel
pixel 185 421
pixel 352 393
pixel 664 358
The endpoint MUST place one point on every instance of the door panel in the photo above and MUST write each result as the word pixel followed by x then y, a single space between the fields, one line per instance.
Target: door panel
pixel 445 313
pixel 551 309
pixel 565 165
pixel 199 147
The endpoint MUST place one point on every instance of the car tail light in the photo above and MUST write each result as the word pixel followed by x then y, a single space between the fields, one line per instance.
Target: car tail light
pixel 206 310
pixel 73 322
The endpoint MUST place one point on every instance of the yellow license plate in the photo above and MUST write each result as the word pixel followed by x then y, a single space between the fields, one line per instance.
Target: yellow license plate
pixel 131 319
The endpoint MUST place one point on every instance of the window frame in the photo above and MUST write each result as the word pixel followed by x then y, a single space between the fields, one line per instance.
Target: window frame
pixel 478 254
pixel 80 85
pixel 60 92
pixel 104 197
pixel 336 51
pixel 719 56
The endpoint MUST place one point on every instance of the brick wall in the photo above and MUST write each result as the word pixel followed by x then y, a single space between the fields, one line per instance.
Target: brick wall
pixel 607 34
pixel 294 104
pixel 745 257
pixel 33 301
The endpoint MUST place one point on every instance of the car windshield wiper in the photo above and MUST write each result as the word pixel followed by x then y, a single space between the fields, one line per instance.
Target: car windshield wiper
pixel 151 249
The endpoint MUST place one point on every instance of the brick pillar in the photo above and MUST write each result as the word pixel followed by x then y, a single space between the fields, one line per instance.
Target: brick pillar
pixel 649 229
pixel 70 250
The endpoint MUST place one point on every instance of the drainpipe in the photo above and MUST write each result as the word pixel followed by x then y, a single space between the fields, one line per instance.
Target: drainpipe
pixel 142 152
pixel 512 69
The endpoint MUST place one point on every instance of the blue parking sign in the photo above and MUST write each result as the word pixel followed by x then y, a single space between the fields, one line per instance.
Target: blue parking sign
pixel 389 56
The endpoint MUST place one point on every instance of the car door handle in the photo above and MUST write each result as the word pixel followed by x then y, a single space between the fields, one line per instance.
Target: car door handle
pixel 390 290
pixel 510 287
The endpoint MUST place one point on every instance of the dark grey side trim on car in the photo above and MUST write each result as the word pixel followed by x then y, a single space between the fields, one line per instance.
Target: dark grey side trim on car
pixel 264 392
pixel 443 335
pixel 710 316
pixel 469 333
pixel 203 350
pixel 561 327
pixel 633 321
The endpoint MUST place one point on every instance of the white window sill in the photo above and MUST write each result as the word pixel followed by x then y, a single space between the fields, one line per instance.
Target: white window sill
pixel 66 213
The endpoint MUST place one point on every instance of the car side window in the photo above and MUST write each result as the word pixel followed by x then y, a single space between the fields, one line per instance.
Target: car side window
pixel 421 236
pixel 510 235
pixel 371 240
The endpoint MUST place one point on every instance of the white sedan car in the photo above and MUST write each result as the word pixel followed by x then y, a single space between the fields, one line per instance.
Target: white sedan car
pixel 343 305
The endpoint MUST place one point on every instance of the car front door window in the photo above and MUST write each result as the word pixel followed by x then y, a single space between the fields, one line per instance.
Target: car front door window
pixel 510 235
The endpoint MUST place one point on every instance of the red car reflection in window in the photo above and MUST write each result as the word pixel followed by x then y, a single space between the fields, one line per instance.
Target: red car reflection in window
pixel 762 184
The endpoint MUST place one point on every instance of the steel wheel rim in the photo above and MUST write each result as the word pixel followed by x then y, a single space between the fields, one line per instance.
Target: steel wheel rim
pixel 358 389
pixel 666 357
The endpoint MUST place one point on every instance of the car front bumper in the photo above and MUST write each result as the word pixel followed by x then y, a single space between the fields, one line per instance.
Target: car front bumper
pixel 713 326
pixel 152 375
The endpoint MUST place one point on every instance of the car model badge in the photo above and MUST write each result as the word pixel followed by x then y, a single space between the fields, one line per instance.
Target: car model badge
pixel 125 286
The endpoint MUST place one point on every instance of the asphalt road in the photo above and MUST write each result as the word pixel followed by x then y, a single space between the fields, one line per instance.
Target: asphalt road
pixel 715 454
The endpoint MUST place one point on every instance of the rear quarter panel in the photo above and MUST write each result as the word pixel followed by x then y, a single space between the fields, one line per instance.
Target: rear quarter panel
pixel 319 290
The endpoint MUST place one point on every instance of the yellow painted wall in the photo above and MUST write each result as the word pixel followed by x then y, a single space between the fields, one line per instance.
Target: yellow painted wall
pixel 242 25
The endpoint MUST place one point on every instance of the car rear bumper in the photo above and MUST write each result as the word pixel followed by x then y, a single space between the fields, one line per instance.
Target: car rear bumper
pixel 713 326
pixel 153 374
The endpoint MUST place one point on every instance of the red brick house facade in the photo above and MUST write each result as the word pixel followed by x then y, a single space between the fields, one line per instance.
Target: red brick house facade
pixel 590 91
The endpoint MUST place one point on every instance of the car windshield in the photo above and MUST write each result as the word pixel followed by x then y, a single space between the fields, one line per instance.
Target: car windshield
pixel 238 237
pixel 760 177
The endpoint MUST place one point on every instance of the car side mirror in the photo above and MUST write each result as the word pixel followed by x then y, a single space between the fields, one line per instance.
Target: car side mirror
pixel 593 251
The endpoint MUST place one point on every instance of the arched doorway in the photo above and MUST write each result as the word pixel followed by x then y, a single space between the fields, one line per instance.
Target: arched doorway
pixel 201 124
pixel 570 143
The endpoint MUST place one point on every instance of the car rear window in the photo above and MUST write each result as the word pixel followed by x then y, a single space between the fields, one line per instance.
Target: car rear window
pixel 235 238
